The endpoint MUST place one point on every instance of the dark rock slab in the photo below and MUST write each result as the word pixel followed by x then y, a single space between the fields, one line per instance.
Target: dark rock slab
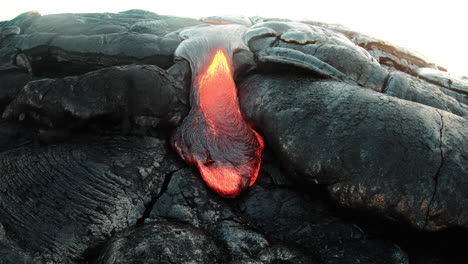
pixel 241 240
pixel 449 203
pixel 289 216
pixel 138 21
pixel 9 30
pixel 10 252
pixel 162 242
pixel 22 21
pixel 270 223
pixel 53 55
pixel 58 201
pixel 387 53
pixel 11 59
pixel 10 85
pixel 188 199
pixel 128 44
pixel 278 254
pixel 163 26
pixel 160 25
pixel 337 54
pixel 258 33
pixel 371 151
pixel 14 135
pixel 119 92
pixel 259 44
pixel 290 57
pixel 405 86
pixel 356 63
pixel 26 42
pixel 77 24
pixel 460 97
pixel 182 73
pixel 451 81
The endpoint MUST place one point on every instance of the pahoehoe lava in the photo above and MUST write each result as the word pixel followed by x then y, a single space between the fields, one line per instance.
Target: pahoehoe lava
pixel 214 137
pixel 365 143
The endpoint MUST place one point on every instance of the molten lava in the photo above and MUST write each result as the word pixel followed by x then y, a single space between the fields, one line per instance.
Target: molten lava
pixel 216 22
pixel 214 136
pixel 218 95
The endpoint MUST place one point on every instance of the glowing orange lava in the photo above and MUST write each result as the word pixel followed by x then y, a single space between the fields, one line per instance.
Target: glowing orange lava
pixel 218 95
pixel 234 149
pixel 216 22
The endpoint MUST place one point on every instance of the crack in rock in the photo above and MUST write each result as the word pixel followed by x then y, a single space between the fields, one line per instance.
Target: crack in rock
pixel 149 207
pixel 437 174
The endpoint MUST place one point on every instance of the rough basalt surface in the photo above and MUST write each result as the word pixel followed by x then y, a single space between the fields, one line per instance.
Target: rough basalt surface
pixel 120 92
pixel 164 242
pixel 372 151
pixel 365 160
pixel 59 200
pixel 268 217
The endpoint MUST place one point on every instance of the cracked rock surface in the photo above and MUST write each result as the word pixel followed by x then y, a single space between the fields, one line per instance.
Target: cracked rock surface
pixel 372 151
pixel 117 92
pixel 269 218
pixel 58 201
pixel 163 242
pixel 365 160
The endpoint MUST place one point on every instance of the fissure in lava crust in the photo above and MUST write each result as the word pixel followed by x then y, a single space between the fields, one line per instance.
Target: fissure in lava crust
pixel 214 137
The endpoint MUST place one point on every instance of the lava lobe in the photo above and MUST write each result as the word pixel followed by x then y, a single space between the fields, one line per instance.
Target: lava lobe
pixel 214 137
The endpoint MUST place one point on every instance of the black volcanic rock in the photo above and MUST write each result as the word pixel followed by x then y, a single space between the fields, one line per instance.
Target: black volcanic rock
pixel 402 59
pixel 59 200
pixel 162 242
pixel 372 152
pixel 10 252
pixel 123 92
pixel 405 86
pixel 333 53
pixel 365 156
pixel 268 217
pixel 23 21
pixel 445 79
pixel 138 21
pixel 9 30
pixel 385 52
pixel 10 85
pixel 52 54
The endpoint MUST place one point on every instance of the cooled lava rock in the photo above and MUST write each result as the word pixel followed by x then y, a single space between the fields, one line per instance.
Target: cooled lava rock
pixel 365 160
pixel 372 151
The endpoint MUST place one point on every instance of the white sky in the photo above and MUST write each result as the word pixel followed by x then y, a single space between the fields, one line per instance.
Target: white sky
pixel 437 29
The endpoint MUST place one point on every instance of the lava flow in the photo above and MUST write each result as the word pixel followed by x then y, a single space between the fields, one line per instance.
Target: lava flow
pixel 214 136
pixel 216 22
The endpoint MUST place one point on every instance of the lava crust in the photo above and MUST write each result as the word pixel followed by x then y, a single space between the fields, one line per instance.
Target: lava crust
pixel 214 136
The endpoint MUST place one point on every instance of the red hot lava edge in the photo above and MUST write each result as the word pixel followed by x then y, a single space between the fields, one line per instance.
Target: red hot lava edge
pixel 214 137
